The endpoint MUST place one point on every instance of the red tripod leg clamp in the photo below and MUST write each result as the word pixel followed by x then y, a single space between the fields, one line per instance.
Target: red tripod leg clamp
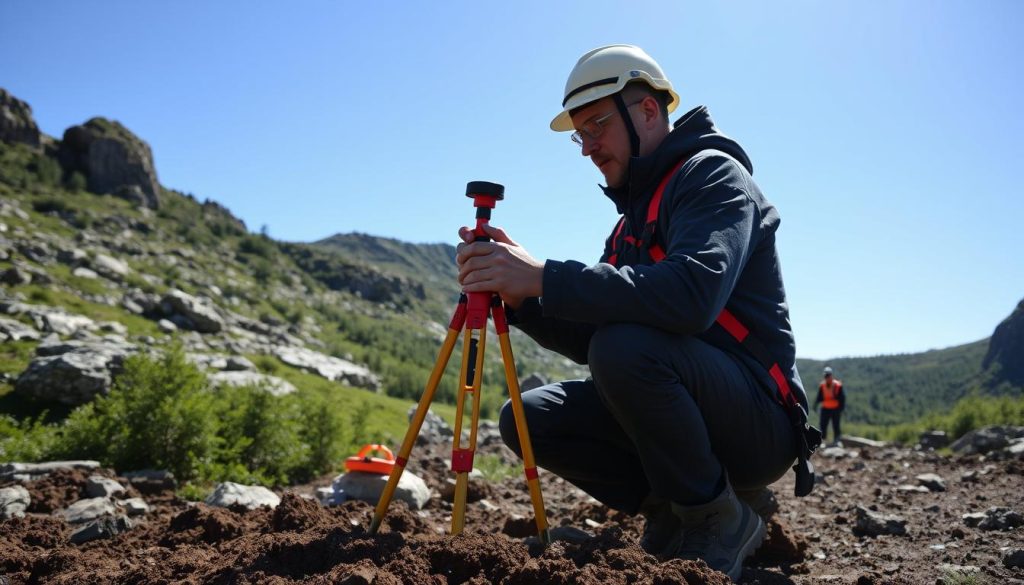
pixel 462 460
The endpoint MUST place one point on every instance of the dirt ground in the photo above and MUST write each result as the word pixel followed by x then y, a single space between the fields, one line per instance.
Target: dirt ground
pixel 817 539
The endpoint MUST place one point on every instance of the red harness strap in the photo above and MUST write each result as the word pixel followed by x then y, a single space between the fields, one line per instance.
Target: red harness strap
pixel 807 437
pixel 725 319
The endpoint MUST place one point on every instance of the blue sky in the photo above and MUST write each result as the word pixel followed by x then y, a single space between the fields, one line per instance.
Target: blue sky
pixel 888 134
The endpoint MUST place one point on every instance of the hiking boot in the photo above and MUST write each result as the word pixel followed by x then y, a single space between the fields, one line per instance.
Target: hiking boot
pixel 660 528
pixel 721 532
pixel 761 500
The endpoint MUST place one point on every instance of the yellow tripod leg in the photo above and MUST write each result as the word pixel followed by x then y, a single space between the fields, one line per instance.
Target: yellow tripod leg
pixel 462 459
pixel 421 414
pixel 516 399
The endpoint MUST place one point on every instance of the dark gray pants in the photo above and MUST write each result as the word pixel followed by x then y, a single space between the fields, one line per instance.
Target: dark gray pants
pixel 829 414
pixel 662 415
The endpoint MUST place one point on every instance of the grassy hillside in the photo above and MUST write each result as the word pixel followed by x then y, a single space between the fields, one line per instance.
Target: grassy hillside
pixel 892 389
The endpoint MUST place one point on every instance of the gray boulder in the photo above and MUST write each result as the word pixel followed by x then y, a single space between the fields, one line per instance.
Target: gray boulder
pixel 87 510
pixel 273 384
pixel 17 123
pixel 98 486
pixel 34 471
pixel 201 316
pixel 931 481
pixel 870 523
pixel 75 375
pixel 250 496
pixel 14 501
pixel 110 267
pixel 327 366
pixel 433 429
pixel 985 440
pixel 151 481
pixel 994 519
pixel 15 276
pixel 11 330
pixel 103 527
pixel 135 506
pixel 367 487
pixel 112 159
pixel 933 439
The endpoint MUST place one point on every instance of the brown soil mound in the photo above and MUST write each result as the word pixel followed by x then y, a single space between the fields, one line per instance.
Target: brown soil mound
pixel 810 540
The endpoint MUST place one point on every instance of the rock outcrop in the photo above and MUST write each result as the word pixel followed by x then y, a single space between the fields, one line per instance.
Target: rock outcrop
pixel 112 159
pixel 17 123
pixel 1006 348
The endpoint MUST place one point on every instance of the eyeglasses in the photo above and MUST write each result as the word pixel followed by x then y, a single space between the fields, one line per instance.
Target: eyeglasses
pixel 594 127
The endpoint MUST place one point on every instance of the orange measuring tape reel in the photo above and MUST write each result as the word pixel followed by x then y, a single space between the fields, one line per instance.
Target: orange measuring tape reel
pixel 362 461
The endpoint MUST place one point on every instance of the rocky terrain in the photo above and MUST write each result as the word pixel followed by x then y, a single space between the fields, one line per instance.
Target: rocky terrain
pixel 880 514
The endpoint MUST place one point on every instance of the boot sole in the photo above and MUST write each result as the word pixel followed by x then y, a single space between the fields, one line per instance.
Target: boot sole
pixel 748 548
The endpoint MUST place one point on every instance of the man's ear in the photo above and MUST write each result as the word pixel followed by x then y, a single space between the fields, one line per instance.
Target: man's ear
pixel 650 110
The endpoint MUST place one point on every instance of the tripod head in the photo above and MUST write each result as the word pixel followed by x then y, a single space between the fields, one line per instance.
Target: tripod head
pixel 485 196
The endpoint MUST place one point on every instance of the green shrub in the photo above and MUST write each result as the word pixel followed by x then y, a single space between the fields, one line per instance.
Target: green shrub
pixel 50 205
pixel 42 296
pixel 45 168
pixel 158 415
pixel 76 181
pixel 261 246
pixel 261 432
pixel 26 440
pixel 322 431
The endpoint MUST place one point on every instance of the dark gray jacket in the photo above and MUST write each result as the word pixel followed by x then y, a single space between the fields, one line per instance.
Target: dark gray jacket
pixel 718 232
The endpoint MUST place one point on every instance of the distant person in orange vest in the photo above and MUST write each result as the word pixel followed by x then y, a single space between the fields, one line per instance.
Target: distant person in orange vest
pixel 832 400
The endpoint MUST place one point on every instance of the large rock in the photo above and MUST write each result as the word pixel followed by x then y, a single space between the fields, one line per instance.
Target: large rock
pixel 11 330
pixel 34 471
pixel 273 384
pixel 87 510
pixel 871 523
pixel 14 501
pixel 113 160
pixel 200 315
pixel 328 367
pixel 985 440
pixel 1006 348
pixel 16 121
pixel 249 496
pixel 73 372
pixel 367 487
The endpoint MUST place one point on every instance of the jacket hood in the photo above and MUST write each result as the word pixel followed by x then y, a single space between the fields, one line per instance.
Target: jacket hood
pixel 693 132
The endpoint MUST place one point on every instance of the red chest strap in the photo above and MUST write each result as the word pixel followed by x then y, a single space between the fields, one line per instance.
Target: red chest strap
pixel 736 329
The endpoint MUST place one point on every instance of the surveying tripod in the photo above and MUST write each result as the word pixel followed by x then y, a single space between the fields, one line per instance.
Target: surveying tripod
pixel 471 315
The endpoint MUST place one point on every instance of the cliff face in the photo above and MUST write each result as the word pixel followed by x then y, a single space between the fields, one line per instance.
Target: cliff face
pixel 1006 349
pixel 17 123
pixel 113 160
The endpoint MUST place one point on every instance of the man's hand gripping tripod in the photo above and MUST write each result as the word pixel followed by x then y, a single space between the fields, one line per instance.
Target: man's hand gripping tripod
pixel 471 317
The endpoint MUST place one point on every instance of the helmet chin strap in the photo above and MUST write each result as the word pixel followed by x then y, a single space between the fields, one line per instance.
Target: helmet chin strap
pixel 634 139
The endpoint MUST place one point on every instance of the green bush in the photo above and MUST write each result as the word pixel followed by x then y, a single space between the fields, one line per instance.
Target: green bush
pixel 158 414
pixel 261 432
pixel 322 431
pixel 76 181
pixel 26 440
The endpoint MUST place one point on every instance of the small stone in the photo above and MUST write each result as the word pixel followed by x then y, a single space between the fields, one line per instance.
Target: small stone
pixel 101 487
pixel 1014 558
pixel 932 482
pixel 135 506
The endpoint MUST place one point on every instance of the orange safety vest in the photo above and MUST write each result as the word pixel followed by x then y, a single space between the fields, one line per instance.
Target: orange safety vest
pixel 830 394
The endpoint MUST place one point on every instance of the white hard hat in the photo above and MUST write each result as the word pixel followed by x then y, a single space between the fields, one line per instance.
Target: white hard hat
pixel 605 71
pixel 828 370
